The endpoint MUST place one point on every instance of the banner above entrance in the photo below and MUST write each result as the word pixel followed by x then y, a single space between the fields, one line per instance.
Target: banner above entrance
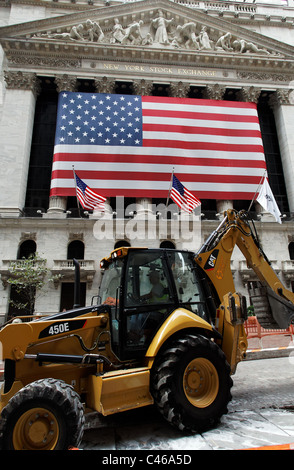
pixel 127 145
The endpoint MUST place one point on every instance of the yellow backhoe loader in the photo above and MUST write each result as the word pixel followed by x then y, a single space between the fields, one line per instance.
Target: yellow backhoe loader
pixel 168 330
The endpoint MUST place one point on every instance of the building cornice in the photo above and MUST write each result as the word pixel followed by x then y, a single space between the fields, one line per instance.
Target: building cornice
pixel 134 10
pixel 60 5
pixel 23 51
pixel 234 11
pixel 46 46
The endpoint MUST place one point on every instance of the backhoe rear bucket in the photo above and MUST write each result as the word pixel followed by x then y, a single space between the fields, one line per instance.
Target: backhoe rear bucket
pixel 272 310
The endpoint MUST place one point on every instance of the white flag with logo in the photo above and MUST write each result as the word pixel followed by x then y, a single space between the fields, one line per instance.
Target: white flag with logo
pixel 267 201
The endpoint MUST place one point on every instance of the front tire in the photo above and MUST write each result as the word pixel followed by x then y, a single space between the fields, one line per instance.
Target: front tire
pixel 44 415
pixel 191 383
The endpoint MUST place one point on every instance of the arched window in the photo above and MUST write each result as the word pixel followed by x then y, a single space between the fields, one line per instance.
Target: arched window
pixel 121 243
pixel 76 249
pixel 291 250
pixel 167 244
pixel 26 248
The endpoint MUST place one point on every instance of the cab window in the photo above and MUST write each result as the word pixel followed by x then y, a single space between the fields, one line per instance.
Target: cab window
pixel 188 288
pixel 148 298
pixel 110 282
pixel 109 293
pixel 147 280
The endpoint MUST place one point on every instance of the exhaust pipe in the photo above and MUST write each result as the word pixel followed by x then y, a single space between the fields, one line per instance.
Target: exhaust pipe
pixel 77 286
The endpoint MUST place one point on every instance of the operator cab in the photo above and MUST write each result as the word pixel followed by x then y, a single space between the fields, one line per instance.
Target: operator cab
pixel 143 287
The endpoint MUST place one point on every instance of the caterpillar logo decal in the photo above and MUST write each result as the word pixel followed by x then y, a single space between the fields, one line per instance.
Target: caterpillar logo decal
pixel 210 263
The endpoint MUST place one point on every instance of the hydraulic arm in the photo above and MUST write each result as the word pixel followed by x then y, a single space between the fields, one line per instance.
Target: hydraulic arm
pixel 273 303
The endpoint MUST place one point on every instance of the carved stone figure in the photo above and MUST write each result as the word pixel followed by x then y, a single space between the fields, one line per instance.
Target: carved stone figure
pixel 160 32
pixel 74 34
pixel 204 40
pixel 148 40
pixel 88 31
pixel 92 31
pixel 117 32
pixel 240 45
pixel 160 24
pixel 224 43
pixel 133 33
pixel 187 35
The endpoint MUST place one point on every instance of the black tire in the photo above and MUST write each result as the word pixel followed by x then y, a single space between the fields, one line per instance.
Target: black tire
pixel 44 415
pixel 191 384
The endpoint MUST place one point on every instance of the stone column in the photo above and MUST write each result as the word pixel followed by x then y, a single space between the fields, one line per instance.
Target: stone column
pixel 246 94
pixel 142 87
pixel 249 94
pixel 144 208
pixel 222 206
pixel 217 92
pixel 16 137
pixel 282 103
pixel 57 204
pixel 179 89
pixel 105 85
pixel 107 213
pixel 143 205
pixel 66 83
pixel 214 92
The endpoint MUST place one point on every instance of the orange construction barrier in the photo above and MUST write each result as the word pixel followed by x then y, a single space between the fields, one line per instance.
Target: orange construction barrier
pixel 254 330
pixel 275 447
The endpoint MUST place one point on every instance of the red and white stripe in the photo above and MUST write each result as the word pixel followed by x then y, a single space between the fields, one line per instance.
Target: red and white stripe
pixel 91 200
pixel 187 202
pixel 215 147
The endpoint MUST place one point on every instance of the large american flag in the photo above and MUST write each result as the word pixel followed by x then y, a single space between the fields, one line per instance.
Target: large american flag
pixel 127 145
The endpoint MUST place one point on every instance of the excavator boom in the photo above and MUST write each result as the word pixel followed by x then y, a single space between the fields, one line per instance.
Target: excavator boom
pixel 273 303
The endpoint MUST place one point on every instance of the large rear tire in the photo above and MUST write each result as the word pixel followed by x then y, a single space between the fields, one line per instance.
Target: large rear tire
pixel 191 383
pixel 44 415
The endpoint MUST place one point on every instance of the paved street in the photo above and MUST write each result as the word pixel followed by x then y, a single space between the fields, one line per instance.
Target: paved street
pixel 260 414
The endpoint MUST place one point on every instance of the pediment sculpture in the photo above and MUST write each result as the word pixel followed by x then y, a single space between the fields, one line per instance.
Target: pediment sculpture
pixel 157 33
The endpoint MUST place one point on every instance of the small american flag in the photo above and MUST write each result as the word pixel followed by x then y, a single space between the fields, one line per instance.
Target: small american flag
pixel 88 198
pixel 182 197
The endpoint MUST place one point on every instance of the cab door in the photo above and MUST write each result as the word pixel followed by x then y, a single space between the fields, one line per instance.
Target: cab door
pixel 149 298
pixel 110 293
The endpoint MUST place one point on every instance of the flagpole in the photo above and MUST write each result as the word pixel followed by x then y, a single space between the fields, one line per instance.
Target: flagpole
pixel 262 178
pixel 78 202
pixel 170 186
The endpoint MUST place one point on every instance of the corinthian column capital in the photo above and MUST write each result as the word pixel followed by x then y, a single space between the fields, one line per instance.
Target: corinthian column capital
pixel 66 83
pixel 22 81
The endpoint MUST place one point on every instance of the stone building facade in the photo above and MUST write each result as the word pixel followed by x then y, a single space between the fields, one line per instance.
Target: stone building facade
pixel 231 50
